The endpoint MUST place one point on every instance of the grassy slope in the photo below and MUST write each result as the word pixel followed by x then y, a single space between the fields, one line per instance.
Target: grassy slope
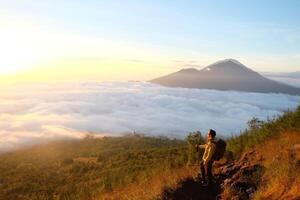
pixel 281 179
pixel 274 139
pixel 84 169
pixel 131 167
pixel 152 188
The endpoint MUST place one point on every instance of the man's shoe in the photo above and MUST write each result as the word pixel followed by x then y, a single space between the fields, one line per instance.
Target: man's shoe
pixel 203 182
pixel 198 178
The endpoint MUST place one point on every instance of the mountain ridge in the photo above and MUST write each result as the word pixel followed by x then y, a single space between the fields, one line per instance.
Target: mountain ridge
pixel 228 74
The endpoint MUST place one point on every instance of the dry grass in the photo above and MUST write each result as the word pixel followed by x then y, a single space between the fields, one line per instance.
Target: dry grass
pixel 86 159
pixel 153 188
pixel 281 179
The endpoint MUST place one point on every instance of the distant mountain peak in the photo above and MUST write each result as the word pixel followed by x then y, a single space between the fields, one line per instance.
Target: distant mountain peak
pixel 228 60
pixel 230 66
pixel 227 74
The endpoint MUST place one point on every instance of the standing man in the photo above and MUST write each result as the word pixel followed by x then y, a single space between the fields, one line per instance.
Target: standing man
pixel 207 159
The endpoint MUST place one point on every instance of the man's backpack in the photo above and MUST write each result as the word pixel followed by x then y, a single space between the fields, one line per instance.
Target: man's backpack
pixel 220 149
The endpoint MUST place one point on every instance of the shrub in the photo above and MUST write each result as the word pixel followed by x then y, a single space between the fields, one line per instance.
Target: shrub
pixel 193 139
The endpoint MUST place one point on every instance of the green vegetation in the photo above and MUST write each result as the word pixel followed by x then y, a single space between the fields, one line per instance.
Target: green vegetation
pixel 194 154
pixel 86 168
pixel 258 131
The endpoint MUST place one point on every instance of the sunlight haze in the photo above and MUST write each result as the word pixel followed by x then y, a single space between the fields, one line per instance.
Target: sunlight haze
pixel 149 99
pixel 100 40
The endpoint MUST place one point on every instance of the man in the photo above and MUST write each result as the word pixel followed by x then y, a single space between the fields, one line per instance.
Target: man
pixel 207 159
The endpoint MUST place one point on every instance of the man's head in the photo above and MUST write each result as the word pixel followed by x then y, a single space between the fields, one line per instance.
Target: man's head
pixel 211 134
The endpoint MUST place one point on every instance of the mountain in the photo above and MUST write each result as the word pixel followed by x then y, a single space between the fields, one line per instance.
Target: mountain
pixel 226 74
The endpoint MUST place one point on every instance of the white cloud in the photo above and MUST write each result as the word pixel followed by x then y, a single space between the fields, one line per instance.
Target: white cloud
pixel 40 112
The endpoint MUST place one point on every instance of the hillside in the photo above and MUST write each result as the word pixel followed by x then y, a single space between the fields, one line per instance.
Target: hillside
pixel 266 171
pixel 260 163
pixel 86 169
pixel 227 74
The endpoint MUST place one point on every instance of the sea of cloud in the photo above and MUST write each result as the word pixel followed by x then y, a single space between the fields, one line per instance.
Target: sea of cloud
pixel 35 113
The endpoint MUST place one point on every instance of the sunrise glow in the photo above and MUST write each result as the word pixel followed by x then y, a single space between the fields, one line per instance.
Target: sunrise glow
pixel 94 44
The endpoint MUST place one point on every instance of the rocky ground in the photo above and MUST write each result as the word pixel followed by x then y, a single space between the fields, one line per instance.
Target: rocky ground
pixel 233 180
pixel 240 179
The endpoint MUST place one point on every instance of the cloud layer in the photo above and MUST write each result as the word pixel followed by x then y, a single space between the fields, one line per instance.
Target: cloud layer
pixel 40 112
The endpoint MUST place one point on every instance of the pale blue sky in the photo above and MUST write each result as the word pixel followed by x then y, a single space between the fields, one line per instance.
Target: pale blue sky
pixel 262 34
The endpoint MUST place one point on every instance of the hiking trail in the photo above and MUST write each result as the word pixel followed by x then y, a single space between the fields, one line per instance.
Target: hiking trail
pixel 189 189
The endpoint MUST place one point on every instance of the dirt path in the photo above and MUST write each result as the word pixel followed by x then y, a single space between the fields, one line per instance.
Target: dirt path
pixel 190 189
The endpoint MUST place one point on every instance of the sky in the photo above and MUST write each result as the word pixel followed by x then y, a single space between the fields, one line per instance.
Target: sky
pixel 54 40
